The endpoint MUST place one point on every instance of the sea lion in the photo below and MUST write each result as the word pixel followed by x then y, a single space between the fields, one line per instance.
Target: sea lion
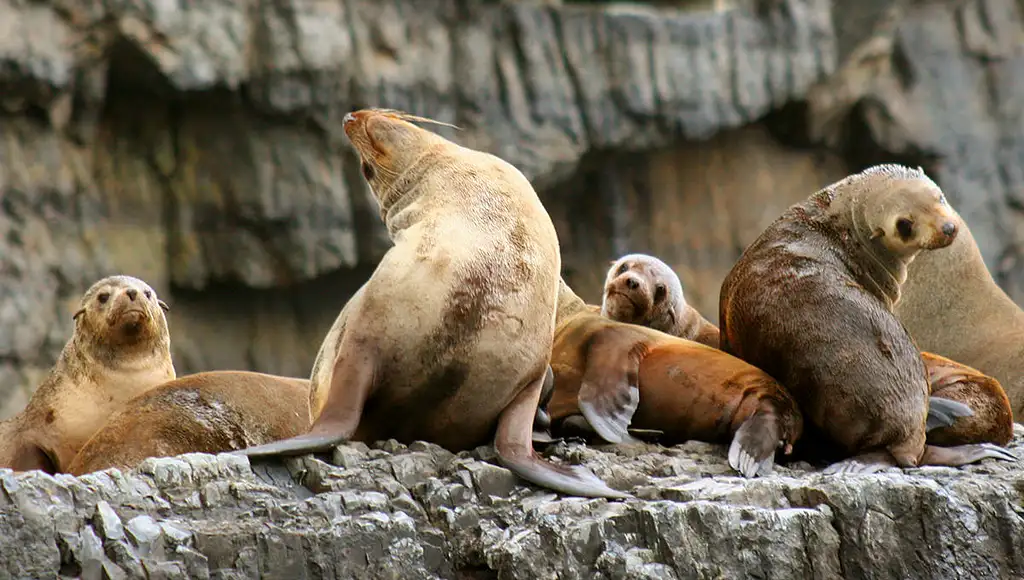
pixel 641 289
pixel 618 374
pixel 992 421
pixel 120 348
pixel 207 412
pixel 953 307
pixel 449 339
pixel 810 302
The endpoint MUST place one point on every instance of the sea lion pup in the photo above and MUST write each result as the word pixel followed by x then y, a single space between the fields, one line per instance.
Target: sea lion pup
pixel 207 412
pixel 120 348
pixel 641 289
pixel 618 375
pixel 810 302
pixel 992 421
pixel 953 307
pixel 449 339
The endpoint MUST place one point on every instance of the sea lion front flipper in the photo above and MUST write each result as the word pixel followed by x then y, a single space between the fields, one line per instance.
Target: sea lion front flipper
pixel 351 384
pixel 515 452
pixel 862 464
pixel 609 394
pixel 964 454
pixel 752 451
pixel 944 412
pixel 29 457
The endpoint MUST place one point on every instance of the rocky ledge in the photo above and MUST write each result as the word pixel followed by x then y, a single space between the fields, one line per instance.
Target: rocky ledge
pixel 394 511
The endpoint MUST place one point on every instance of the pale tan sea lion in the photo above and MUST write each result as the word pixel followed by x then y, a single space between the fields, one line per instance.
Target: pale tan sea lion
pixel 207 412
pixel 449 339
pixel 810 302
pixel 642 289
pixel 120 348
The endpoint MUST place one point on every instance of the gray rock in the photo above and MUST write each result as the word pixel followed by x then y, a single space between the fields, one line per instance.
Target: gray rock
pixel 468 517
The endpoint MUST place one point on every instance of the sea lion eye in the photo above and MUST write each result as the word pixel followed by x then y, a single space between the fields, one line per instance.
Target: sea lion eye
pixel 103 297
pixel 367 170
pixel 622 269
pixel 905 228
pixel 147 293
pixel 659 293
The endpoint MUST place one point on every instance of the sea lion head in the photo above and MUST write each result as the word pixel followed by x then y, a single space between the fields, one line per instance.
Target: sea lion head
pixel 120 313
pixel 902 210
pixel 389 145
pixel 641 289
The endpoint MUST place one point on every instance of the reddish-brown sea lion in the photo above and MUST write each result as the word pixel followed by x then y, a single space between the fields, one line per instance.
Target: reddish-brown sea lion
pixel 208 412
pixel 810 302
pixel 992 421
pixel 641 289
pixel 618 375
pixel 120 348
pixel 449 339
pixel 952 306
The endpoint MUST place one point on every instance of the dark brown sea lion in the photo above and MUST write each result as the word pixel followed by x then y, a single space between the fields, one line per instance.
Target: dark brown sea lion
pixel 641 289
pixel 449 339
pixel 992 421
pixel 208 412
pixel 810 302
pixel 618 375
pixel 120 348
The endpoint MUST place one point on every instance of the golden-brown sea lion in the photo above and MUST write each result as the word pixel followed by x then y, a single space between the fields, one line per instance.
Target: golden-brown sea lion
pixel 951 306
pixel 618 374
pixel 641 289
pixel 208 412
pixel 992 421
pixel 120 348
pixel 449 339
pixel 810 302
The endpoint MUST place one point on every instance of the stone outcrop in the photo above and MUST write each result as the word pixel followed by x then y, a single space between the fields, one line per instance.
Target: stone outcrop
pixel 391 511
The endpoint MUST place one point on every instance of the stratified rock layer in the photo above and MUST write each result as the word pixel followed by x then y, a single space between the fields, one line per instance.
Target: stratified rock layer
pixel 391 511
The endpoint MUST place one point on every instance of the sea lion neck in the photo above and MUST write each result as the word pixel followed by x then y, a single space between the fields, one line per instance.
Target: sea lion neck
pixel 403 191
pixel 877 269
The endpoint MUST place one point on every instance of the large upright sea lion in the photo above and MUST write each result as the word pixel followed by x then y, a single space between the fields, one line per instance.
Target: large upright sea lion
pixel 641 289
pixel 120 348
pixel 953 307
pixel 620 375
pixel 208 412
pixel 810 302
pixel 449 339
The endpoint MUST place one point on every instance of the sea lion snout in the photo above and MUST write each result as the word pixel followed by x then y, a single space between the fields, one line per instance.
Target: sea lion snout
pixel 632 283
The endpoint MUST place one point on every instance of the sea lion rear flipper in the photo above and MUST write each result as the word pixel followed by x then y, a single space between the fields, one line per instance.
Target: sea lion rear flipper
pixel 515 452
pixel 752 451
pixel 964 454
pixel 944 412
pixel 609 394
pixel 351 384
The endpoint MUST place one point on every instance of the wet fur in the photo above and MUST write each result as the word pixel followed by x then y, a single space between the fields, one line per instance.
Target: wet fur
pixel 810 302
pixel 208 412
pixel 98 370
pixel 449 339
pixel 952 306
pixel 686 390
pixel 642 305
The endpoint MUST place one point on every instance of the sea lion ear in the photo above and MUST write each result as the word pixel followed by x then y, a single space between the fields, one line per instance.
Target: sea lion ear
pixel 163 305
pixel 879 232
pixel 77 314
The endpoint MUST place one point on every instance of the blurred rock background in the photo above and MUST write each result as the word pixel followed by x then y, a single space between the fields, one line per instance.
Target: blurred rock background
pixel 198 145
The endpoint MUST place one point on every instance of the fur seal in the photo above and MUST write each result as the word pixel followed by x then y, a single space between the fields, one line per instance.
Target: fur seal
pixel 641 289
pixel 207 412
pixel 992 421
pixel 810 302
pixel 618 374
pixel 953 307
pixel 120 348
pixel 449 340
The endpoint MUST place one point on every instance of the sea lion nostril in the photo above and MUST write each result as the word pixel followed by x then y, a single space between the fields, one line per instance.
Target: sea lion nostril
pixel 632 284
pixel 949 228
